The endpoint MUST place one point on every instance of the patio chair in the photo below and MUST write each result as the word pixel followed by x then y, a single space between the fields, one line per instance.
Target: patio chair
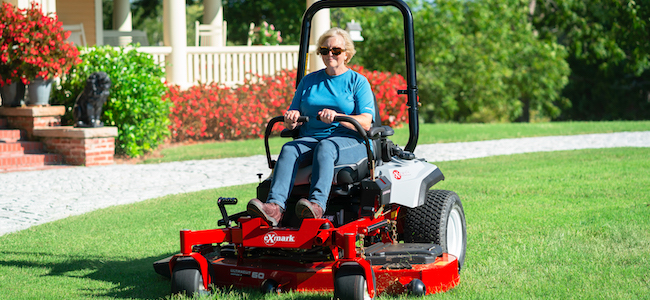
pixel 207 30
pixel 77 34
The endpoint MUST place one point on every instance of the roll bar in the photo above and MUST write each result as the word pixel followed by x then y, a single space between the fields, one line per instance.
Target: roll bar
pixel 411 80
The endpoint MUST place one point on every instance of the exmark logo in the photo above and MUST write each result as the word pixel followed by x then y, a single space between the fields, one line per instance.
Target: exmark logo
pixel 397 175
pixel 271 238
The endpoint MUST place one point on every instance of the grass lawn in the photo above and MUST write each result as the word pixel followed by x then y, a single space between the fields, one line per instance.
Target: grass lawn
pixel 569 224
pixel 429 134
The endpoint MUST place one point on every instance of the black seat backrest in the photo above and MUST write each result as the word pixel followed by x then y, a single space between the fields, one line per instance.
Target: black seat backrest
pixel 376 144
pixel 377 121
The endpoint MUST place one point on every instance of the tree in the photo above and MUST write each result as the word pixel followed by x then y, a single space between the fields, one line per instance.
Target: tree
pixel 609 50
pixel 478 61
pixel 286 16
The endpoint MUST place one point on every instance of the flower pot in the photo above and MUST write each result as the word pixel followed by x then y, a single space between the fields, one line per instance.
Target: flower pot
pixel 39 91
pixel 12 94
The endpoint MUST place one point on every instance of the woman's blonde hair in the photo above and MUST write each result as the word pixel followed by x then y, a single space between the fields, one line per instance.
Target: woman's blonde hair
pixel 335 31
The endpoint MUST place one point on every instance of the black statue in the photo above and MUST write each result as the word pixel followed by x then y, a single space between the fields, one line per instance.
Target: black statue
pixel 88 108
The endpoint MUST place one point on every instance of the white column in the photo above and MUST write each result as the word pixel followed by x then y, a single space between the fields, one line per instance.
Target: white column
pixel 47 6
pixel 213 15
pixel 122 19
pixel 99 23
pixel 175 35
pixel 319 24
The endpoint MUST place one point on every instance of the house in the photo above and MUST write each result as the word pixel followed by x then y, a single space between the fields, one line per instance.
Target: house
pixel 185 65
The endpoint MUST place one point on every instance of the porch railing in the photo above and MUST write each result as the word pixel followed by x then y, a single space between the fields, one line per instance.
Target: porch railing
pixel 231 65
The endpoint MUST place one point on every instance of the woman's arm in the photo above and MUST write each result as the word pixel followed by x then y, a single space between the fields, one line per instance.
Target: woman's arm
pixel 365 119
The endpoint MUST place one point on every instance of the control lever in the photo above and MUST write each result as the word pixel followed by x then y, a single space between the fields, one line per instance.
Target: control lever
pixel 222 202
pixel 397 151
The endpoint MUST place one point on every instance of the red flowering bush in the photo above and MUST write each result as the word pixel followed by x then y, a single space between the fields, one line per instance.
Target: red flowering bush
pixel 392 108
pixel 33 45
pixel 216 112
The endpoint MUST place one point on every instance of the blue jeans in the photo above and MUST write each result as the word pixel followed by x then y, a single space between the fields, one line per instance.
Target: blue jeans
pixel 323 155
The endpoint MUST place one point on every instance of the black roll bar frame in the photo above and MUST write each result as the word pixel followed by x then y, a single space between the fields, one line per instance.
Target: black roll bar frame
pixel 411 79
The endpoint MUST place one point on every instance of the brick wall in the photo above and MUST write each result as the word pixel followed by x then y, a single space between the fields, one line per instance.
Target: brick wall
pixel 29 123
pixel 80 151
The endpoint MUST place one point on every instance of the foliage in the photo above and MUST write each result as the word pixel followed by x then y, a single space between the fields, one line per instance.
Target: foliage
pixel 33 45
pixel 603 33
pixel 135 105
pixel 265 35
pixel 609 52
pixel 284 14
pixel 216 112
pixel 149 18
pixel 477 61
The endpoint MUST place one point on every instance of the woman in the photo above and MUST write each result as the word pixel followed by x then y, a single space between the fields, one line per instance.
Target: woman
pixel 327 93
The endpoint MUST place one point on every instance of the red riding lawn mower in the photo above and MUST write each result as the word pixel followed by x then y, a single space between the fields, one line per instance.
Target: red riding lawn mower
pixel 384 230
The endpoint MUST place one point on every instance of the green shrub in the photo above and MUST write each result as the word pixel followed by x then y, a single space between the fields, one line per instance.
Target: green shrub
pixel 135 105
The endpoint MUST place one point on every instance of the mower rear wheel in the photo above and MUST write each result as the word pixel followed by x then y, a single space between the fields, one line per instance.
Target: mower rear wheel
pixel 440 220
pixel 187 279
pixel 350 283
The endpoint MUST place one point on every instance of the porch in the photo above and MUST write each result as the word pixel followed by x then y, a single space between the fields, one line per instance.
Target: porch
pixel 230 65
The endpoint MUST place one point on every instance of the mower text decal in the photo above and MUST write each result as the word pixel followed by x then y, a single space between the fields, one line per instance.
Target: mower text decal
pixel 246 273
pixel 271 238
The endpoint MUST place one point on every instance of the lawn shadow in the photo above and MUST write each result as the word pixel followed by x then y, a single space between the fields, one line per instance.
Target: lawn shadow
pixel 130 278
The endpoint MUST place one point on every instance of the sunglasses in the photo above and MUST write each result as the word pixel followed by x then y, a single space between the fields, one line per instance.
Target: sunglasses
pixel 335 51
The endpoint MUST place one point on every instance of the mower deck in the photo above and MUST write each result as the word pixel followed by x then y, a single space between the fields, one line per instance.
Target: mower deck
pixel 260 257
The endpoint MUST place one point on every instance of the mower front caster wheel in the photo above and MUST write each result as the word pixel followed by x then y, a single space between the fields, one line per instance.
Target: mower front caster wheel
pixel 350 283
pixel 416 288
pixel 187 279
pixel 269 286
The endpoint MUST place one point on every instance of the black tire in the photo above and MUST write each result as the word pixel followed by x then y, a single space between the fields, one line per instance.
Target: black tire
pixel 187 279
pixel 440 220
pixel 350 283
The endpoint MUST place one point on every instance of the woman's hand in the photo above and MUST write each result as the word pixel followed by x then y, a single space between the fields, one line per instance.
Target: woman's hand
pixel 365 119
pixel 327 115
pixel 291 119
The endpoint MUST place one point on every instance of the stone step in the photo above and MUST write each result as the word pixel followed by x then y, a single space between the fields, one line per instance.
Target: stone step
pixel 29 162
pixel 20 148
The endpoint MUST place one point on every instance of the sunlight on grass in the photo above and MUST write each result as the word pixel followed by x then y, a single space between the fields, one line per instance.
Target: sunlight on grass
pixel 569 224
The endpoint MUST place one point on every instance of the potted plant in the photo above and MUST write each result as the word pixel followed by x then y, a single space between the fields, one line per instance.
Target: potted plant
pixel 33 52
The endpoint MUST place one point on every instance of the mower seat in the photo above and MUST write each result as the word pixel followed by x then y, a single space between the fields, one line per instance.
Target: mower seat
pixel 343 174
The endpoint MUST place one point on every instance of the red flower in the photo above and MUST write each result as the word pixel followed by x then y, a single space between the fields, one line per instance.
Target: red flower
pixel 32 45
pixel 215 112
